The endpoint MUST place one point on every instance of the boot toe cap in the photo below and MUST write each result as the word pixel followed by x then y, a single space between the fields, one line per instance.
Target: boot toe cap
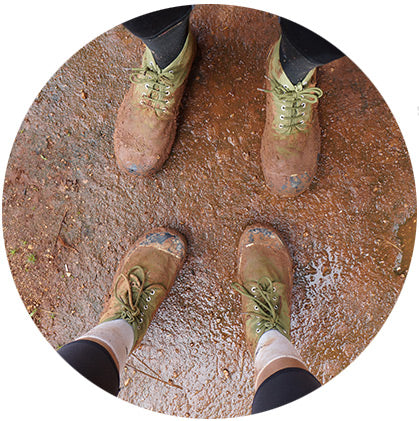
pixel 288 185
pixel 259 234
pixel 133 162
pixel 167 240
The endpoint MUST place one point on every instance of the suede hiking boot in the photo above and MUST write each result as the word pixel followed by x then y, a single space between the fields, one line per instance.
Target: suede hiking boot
pixel 144 278
pixel 291 139
pixel 265 283
pixel 145 126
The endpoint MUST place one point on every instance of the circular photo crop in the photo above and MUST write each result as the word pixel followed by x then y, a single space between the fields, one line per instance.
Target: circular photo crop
pixel 209 211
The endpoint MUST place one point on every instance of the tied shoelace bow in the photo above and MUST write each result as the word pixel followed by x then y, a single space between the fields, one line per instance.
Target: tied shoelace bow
pixel 292 102
pixel 266 298
pixel 138 295
pixel 158 84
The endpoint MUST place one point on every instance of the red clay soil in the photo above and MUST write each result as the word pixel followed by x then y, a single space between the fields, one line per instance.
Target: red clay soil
pixel 69 214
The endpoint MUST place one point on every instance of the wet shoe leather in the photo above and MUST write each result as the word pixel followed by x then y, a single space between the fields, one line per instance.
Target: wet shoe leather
pixel 145 127
pixel 144 278
pixel 264 282
pixel 291 139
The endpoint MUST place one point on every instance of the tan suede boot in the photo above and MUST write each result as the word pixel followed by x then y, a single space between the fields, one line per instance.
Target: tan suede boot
pixel 144 278
pixel 265 283
pixel 145 127
pixel 291 139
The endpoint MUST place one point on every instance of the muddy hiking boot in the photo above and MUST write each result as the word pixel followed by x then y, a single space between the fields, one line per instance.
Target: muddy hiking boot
pixel 143 279
pixel 291 139
pixel 264 282
pixel 145 126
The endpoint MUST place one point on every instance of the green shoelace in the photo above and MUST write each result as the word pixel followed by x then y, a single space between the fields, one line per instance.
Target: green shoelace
pixel 135 303
pixel 293 102
pixel 266 298
pixel 157 82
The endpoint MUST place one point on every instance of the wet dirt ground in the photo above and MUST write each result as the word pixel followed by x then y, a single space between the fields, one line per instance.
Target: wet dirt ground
pixel 69 213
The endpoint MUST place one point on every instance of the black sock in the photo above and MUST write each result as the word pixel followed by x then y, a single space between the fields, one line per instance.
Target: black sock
pixel 295 65
pixel 167 46
pixel 302 50
pixel 164 32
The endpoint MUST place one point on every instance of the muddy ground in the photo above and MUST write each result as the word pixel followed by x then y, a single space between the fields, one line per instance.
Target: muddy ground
pixel 69 213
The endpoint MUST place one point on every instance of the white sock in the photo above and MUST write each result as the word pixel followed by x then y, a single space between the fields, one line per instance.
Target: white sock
pixel 116 336
pixel 273 345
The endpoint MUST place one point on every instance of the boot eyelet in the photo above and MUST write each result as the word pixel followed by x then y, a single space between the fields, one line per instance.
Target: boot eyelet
pixel 303 113
pixel 283 107
pixel 281 126
pixel 303 104
pixel 171 71
pixel 147 86
pixel 148 299
pixel 274 289
pixel 281 117
pixel 145 307
pixel 152 292
pixel 140 321
pixel 275 307
pixel 257 330
pixel 167 93
pixel 286 86
pixel 167 101
pixel 301 121
pixel 253 289
pixel 256 308
pixel 274 298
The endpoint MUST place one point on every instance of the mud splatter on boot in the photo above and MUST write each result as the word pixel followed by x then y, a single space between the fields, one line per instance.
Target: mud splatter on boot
pixel 291 139
pixel 145 127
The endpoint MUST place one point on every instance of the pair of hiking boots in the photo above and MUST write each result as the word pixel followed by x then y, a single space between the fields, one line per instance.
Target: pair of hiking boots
pixel 144 133
pixel 148 270
pixel 146 123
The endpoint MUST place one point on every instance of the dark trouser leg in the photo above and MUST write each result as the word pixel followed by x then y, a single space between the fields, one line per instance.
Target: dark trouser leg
pixel 283 387
pixel 93 362
pixel 302 50
pixel 164 32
